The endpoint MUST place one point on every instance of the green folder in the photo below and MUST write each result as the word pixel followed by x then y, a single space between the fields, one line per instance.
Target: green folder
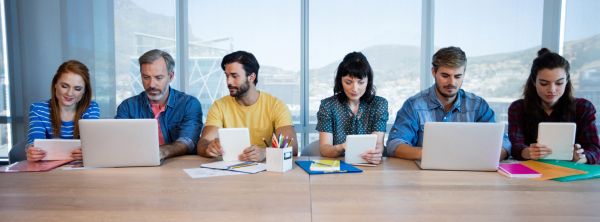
pixel 593 171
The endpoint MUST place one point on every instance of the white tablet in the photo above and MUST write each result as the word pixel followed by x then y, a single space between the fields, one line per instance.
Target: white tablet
pixel 560 137
pixel 57 149
pixel 358 144
pixel 233 141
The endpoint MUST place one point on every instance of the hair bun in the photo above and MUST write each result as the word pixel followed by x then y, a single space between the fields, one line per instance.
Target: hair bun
pixel 543 51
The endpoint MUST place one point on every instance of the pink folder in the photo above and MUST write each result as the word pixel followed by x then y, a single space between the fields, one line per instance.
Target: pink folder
pixel 517 170
pixel 29 166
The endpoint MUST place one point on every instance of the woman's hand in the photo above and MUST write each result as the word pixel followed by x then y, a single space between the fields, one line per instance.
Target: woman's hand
pixel 372 156
pixel 536 151
pixel 77 154
pixel 34 153
pixel 578 155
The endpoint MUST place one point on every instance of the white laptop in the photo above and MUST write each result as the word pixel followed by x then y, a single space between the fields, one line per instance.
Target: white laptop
pixel 119 142
pixel 461 146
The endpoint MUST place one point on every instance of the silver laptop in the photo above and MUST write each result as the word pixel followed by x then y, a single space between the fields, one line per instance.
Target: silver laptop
pixel 461 146
pixel 119 142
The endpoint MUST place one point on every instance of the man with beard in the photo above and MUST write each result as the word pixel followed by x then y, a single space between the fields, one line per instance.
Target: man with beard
pixel 246 107
pixel 179 115
pixel 445 101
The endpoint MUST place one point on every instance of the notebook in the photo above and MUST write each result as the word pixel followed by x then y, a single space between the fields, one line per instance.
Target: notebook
pixel 344 168
pixel 461 146
pixel 517 170
pixel 237 166
pixel 325 165
pixel 119 142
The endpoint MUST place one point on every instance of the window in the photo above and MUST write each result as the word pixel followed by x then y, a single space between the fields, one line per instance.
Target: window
pixel 5 126
pixel 389 38
pixel 582 48
pixel 500 41
pixel 140 25
pixel 269 29
pixel 500 45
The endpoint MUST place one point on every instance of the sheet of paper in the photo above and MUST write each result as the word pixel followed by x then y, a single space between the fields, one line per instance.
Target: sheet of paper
pixel 196 173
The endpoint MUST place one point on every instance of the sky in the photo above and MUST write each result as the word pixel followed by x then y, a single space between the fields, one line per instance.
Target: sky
pixel 337 27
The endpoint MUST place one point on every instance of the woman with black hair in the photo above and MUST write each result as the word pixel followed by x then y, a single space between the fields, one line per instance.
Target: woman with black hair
pixel 353 109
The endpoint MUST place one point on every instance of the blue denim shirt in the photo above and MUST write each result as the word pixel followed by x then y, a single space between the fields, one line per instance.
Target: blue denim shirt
pixel 425 107
pixel 181 121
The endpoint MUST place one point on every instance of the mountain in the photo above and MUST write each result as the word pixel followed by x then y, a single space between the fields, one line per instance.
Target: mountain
pixel 497 75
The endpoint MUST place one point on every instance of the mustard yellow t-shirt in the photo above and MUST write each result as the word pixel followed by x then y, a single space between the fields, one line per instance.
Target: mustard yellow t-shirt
pixel 261 118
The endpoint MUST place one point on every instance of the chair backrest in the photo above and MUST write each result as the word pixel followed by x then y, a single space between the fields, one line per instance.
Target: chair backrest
pixel 17 152
pixel 313 149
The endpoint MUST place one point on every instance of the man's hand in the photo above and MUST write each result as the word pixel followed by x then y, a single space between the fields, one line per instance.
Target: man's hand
pixel 251 153
pixel 214 148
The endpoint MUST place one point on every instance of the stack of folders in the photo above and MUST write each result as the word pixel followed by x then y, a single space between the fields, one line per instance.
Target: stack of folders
pixel 517 170
pixel 325 165
pixel 591 171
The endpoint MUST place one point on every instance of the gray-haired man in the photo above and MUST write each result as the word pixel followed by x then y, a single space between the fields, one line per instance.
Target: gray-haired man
pixel 179 115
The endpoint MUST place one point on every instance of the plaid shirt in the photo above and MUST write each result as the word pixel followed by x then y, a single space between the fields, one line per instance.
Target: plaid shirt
pixel 586 133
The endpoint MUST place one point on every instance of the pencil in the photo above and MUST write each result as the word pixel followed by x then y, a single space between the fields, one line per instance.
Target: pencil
pixel 274 141
pixel 265 141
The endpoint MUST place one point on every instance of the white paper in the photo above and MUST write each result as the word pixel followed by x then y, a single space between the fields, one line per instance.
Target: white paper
pixel 57 149
pixel 196 173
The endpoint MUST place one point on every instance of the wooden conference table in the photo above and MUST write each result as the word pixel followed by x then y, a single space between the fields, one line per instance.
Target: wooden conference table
pixel 394 191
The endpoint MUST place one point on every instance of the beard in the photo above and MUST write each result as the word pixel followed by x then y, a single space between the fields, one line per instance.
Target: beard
pixel 239 91
pixel 155 94
pixel 441 90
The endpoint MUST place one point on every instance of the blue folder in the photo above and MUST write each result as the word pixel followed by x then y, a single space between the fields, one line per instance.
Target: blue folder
pixel 344 168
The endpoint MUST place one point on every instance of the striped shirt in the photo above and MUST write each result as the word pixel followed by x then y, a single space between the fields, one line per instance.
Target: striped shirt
pixel 40 126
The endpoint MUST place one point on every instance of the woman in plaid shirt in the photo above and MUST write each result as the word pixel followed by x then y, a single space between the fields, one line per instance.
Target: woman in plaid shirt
pixel 548 97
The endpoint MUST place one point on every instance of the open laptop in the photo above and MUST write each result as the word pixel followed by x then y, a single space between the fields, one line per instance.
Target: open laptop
pixel 461 146
pixel 119 142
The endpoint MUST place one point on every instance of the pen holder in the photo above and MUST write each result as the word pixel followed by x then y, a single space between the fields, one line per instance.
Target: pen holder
pixel 279 159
